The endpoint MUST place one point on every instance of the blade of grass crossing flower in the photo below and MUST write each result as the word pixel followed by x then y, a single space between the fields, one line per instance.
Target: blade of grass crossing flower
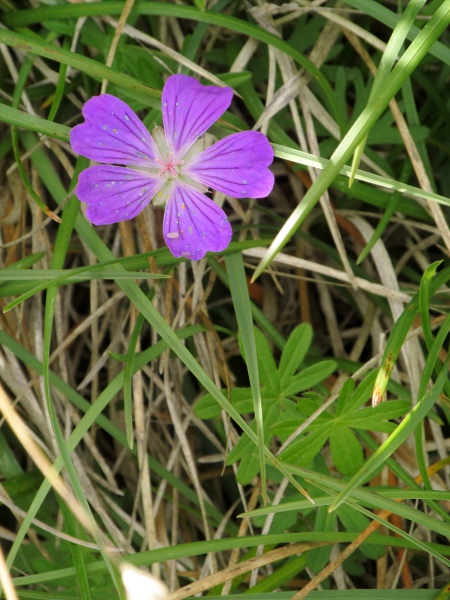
pixel 388 59
pixel 241 304
pixel 59 253
pixel 405 66
pixel 405 428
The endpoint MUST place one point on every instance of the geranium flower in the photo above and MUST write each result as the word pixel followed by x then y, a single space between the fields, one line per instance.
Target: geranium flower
pixel 170 166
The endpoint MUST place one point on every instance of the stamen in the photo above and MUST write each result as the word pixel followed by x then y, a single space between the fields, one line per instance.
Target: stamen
pixel 170 165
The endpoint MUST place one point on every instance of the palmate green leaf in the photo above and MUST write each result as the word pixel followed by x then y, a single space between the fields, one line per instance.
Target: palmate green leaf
pixel 277 408
pixel 346 394
pixel 302 451
pixel 268 372
pixel 401 433
pixel 294 352
pixel 377 419
pixel 338 426
pixel 346 450
pixel 309 377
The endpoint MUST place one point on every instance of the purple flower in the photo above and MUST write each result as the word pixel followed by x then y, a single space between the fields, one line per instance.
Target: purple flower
pixel 170 166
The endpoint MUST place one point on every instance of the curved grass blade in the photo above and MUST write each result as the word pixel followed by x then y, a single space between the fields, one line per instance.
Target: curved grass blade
pixel 27 17
pixel 18 118
pixel 86 65
pixel 405 66
pixel 303 158
pixel 363 497
pixel 424 307
pixel 80 274
pixel 388 18
pixel 388 59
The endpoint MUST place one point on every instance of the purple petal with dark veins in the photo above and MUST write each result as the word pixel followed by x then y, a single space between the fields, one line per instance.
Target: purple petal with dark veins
pixel 115 194
pixel 237 166
pixel 194 224
pixel 112 133
pixel 189 109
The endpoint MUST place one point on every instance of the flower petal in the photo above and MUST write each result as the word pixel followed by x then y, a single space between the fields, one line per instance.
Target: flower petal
pixel 236 165
pixel 112 133
pixel 115 193
pixel 189 109
pixel 194 224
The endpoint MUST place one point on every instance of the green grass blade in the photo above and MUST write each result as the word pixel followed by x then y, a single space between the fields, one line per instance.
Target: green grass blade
pixel 406 65
pixel 86 65
pixel 58 257
pixel 405 428
pixel 388 59
pixel 241 303
pixel 389 18
pixel 18 118
pixel 70 276
pixel 27 17
pixel 385 219
pixel 303 158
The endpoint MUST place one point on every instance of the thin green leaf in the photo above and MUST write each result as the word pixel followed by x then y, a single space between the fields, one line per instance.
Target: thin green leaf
pixel 405 66
pixel 392 51
pixel 241 303
pixel 405 428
